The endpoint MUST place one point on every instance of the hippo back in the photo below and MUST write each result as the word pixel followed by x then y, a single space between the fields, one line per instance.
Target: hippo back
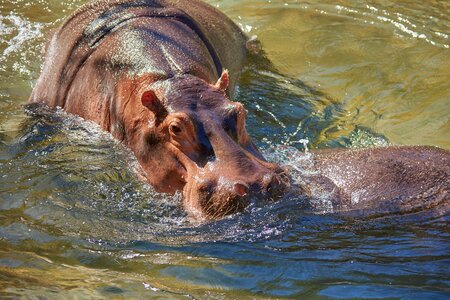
pixel 74 42
pixel 389 179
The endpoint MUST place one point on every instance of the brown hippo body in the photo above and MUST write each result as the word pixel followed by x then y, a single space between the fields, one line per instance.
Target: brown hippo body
pixel 382 180
pixel 158 75
pixel 154 74
pixel 110 48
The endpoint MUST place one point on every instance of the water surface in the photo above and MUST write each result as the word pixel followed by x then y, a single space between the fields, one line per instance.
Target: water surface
pixel 75 222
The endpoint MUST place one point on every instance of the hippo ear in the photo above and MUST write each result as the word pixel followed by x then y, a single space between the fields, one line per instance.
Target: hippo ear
pixel 151 101
pixel 222 83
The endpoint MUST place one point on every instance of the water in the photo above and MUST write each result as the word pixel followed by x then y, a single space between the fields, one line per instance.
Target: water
pixel 75 221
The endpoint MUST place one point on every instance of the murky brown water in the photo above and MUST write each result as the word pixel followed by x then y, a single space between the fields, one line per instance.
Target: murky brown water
pixel 75 221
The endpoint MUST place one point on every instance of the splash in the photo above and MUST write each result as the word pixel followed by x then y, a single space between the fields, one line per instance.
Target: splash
pixel 303 174
pixel 305 143
pixel 15 31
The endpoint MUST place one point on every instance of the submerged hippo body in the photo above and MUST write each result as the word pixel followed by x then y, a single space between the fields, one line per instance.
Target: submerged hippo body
pixel 154 74
pixel 378 180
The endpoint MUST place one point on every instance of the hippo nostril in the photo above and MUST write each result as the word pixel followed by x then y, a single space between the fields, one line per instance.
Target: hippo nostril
pixel 270 182
pixel 275 184
pixel 208 186
pixel 266 180
pixel 276 181
pixel 241 189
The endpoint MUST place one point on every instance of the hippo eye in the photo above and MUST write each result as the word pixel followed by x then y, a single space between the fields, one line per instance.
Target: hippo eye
pixel 230 125
pixel 175 129
pixel 230 129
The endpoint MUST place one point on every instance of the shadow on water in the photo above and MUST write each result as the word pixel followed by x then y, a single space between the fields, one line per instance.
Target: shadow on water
pixel 286 111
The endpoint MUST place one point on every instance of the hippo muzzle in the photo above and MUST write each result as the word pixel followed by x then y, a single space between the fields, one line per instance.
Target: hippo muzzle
pixel 227 183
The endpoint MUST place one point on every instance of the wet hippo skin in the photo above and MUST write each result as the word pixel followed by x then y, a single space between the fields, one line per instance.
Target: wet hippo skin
pixel 380 180
pixel 160 76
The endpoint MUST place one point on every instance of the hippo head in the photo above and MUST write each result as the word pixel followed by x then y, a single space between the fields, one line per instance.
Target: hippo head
pixel 195 141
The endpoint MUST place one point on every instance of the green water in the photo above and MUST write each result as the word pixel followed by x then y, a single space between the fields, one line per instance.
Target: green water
pixel 75 222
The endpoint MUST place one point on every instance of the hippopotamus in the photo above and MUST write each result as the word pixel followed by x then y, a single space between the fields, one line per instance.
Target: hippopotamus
pixel 160 76
pixel 376 181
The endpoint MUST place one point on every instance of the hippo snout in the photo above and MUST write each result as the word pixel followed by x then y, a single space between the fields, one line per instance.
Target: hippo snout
pixel 215 197
pixel 275 184
pixel 214 201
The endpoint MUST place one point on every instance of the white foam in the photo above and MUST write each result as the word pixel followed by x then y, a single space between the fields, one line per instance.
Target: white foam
pixel 23 30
